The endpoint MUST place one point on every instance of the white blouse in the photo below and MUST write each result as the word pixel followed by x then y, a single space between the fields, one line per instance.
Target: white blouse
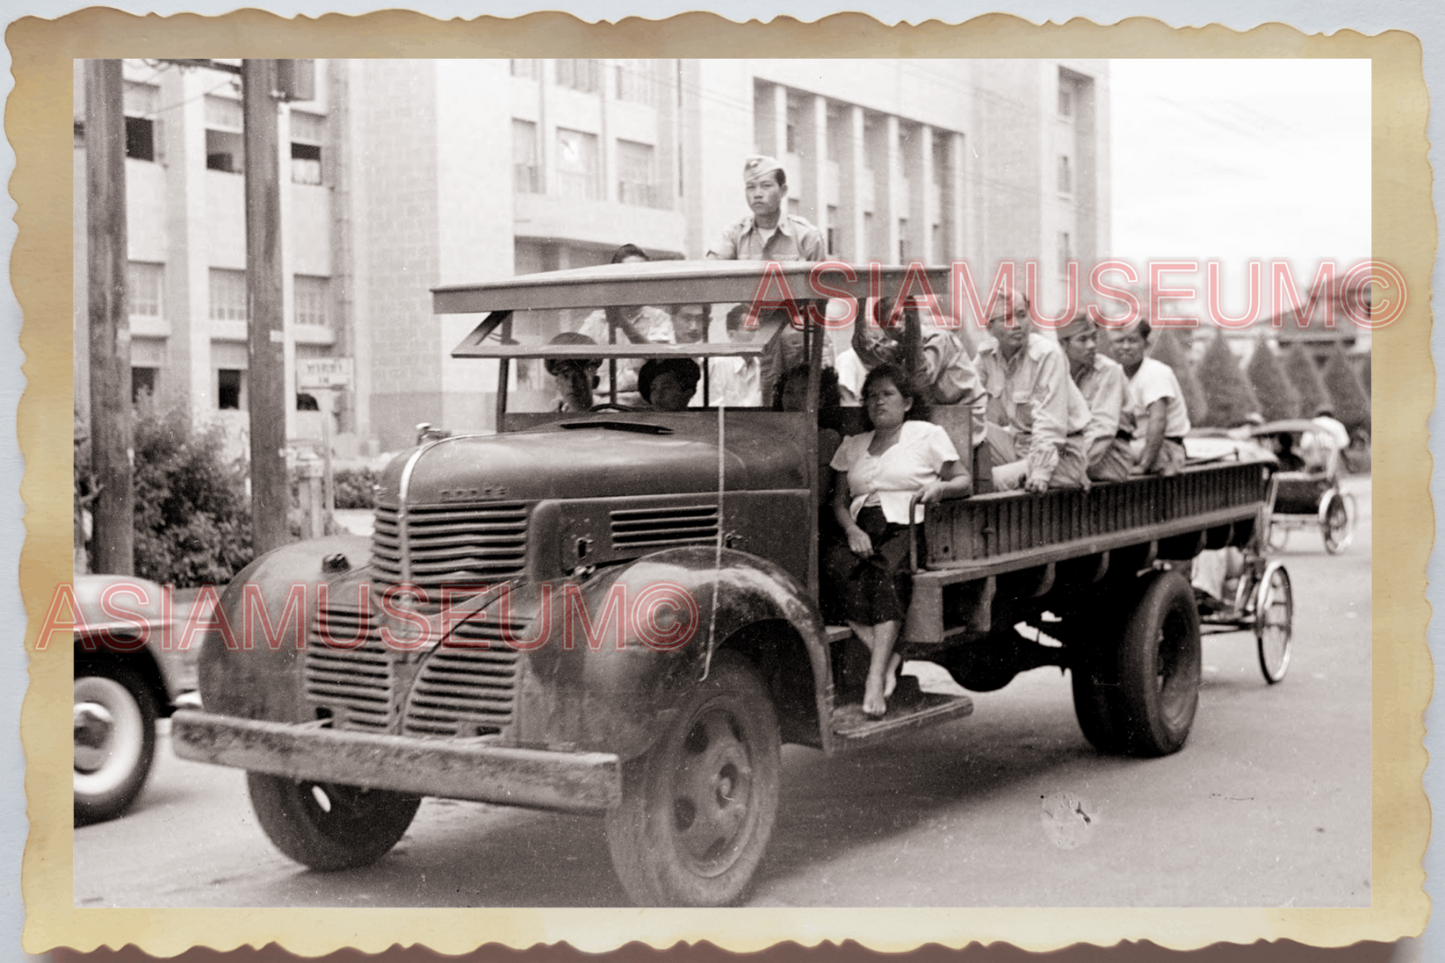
pixel 895 476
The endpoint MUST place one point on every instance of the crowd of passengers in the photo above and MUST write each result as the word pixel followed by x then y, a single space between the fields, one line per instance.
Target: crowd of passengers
pixel 1044 412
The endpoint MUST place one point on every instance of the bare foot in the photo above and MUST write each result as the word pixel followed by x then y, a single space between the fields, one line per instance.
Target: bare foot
pixel 875 703
pixel 890 679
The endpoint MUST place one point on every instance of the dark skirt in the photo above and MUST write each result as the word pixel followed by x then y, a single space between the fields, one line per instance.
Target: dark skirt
pixel 872 590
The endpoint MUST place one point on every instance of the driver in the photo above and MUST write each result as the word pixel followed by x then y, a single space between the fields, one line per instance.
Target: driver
pixel 574 378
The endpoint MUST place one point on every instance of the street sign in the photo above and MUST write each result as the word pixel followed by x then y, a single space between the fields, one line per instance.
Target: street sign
pixel 317 373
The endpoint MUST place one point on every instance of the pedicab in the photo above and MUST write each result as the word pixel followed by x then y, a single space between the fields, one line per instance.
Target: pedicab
pixel 1254 591
pixel 1307 486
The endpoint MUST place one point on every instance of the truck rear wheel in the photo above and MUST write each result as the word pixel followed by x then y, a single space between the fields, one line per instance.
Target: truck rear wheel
pixel 698 808
pixel 1159 668
pixel 1092 678
pixel 326 826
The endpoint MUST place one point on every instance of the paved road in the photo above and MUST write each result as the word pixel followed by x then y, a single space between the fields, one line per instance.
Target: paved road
pixel 1267 805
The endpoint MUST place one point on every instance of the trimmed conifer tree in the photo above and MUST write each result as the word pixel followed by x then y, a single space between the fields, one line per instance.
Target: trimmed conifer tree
pixel 1164 346
pixel 1278 399
pixel 1231 399
pixel 1351 406
pixel 1299 365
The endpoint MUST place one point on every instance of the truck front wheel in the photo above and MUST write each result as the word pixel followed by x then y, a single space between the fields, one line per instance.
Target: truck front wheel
pixel 698 808
pixel 326 826
pixel 1159 668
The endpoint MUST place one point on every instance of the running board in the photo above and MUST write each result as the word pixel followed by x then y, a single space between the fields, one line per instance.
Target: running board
pixel 853 728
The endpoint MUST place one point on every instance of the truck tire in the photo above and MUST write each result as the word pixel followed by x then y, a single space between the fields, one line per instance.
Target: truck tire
pixel 1159 668
pixel 698 807
pixel 326 826
pixel 115 739
pixel 1092 677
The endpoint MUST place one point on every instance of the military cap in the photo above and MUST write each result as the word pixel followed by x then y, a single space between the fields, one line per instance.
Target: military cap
pixel 760 164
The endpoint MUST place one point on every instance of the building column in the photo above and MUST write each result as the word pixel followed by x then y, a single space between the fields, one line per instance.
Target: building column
pixel 959 244
pixel 813 154
pixel 187 274
pixel 851 203
pixel 926 198
pixel 889 174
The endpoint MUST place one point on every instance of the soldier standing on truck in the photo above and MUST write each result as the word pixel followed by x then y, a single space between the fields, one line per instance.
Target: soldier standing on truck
pixel 1102 382
pixel 769 234
pixel 1036 415
pixel 1156 403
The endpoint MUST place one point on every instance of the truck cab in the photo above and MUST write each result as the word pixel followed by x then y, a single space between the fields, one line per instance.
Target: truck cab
pixel 619 612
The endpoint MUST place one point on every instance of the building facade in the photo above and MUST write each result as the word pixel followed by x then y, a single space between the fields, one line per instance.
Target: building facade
pixel 404 175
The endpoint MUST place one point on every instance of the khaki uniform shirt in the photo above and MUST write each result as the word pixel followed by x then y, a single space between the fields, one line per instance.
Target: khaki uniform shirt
pixel 794 240
pixel 1034 399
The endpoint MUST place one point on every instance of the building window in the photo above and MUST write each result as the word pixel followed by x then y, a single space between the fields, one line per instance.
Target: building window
pixel 228 295
pixel 1066 94
pixel 581 75
pixel 145 284
pixel 225 145
pixel 832 232
pixel 903 240
pixel 530 69
pixel 143 384
pixel 940 159
pixel 577 167
pixel 1066 177
pixel 526 165
pixel 635 174
pixel 141 101
pixel 306 131
pixel 635 82
pixel 1066 253
pixel 230 389
pixel 312 299
pixel 791 139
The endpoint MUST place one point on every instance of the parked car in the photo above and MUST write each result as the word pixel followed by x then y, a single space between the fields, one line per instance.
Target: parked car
pixel 129 672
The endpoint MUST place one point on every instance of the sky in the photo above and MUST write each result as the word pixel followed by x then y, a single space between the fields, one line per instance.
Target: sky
pixel 1240 159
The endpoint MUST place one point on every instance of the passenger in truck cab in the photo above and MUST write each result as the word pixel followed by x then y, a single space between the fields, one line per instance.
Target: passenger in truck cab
pixel 668 384
pixel 1154 404
pixel 1102 382
pixel 574 378
pixel 637 324
pixel 1036 415
pixel 878 473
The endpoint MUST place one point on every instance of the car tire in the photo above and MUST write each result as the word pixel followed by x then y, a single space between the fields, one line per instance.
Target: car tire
pixel 1160 665
pixel 327 826
pixel 698 808
pixel 115 739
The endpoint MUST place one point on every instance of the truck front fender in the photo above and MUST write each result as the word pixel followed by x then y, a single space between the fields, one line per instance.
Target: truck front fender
pixel 613 682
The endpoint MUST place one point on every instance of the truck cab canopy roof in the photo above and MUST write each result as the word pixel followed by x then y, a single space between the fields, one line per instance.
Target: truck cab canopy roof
pixel 667 283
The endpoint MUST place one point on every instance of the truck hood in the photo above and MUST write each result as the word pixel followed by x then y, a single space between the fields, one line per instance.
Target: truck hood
pixel 604 455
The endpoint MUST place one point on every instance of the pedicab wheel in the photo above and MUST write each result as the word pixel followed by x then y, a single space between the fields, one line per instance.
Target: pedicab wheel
pixel 1335 523
pixel 697 809
pixel 1274 622
pixel 1160 664
pixel 327 826
pixel 115 739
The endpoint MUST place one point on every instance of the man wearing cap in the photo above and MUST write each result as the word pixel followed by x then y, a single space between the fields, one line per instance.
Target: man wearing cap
pixel 1102 382
pixel 768 234
pixel 1036 415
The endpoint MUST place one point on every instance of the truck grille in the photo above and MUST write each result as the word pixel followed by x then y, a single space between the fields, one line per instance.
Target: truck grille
pixel 454 545
pixel 652 528
pixel 467 687
pixel 355 683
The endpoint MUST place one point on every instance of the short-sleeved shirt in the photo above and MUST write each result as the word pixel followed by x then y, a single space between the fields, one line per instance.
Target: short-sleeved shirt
pixel 898 474
pixel 1103 385
pixel 653 323
pixel 1155 380
pixel 794 239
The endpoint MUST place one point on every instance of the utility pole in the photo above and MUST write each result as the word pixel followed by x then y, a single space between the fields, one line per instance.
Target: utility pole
pixel 106 268
pixel 266 402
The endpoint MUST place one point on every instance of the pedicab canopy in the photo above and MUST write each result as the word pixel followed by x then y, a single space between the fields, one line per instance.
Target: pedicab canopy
pixel 763 285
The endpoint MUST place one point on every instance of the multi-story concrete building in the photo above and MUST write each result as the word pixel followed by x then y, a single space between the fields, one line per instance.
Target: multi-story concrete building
pixel 408 174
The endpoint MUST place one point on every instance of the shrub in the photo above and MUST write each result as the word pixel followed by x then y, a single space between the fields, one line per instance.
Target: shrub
pixel 353 488
pixel 1165 347
pixel 1351 406
pixel 192 517
pixel 1278 399
pixel 1231 399
pixel 1306 379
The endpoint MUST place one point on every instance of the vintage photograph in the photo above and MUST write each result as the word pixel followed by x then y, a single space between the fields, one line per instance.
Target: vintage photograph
pixel 747 482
